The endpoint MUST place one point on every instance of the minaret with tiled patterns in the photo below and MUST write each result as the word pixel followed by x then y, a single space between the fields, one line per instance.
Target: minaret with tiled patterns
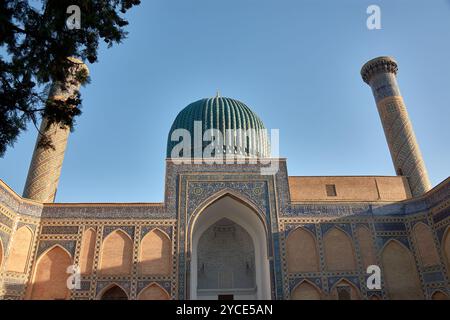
pixel 45 168
pixel 380 74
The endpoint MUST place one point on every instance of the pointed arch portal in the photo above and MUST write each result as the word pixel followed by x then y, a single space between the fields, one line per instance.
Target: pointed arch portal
pixel 229 257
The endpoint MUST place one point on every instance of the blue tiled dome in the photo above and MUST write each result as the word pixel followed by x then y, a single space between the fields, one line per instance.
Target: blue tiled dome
pixel 227 115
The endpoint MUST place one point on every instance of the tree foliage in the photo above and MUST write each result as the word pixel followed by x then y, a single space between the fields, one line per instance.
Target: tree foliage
pixel 35 43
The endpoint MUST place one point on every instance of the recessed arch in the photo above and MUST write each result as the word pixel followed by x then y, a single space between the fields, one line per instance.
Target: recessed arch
pixel 116 255
pixel 57 245
pixel 306 290
pixel 426 248
pixel 301 250
pixel 20 250
pixel 244 200
pixel 439 295
pixel 446 247
pixel 50 275
pixel 155 253
pixel 153 292
pixel 366 246
pixel 344 290
pixel 400 273
pixel 113 292
pixel 87 251
pixel 229 205
pixel 1 254
pixel 339 251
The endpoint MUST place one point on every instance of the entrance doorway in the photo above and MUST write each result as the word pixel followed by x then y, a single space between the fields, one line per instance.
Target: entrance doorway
pixel 229 252
pixel 226 262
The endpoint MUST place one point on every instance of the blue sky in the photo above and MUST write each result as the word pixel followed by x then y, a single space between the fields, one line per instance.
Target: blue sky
pixel 295 63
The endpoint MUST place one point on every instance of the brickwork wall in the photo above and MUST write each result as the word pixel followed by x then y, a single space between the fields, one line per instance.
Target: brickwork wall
pixel 50 279
pixel 313 238
pixel 349 188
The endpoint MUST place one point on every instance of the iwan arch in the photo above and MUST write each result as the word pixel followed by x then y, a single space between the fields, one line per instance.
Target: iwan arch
pixel 225 269
pixel 226 231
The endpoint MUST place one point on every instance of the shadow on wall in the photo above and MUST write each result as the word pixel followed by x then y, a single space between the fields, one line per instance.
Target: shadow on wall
pixel 20 250
pixel 303 251
pixel 401 278
pixel 400 275
pixel 115 259
pixel 153 291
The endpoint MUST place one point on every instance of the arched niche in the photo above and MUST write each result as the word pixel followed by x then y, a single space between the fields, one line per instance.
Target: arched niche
pixel 400 272
pixel 344 290
pixel 113 292
pixel 423 237
pixel 155 254
pixel 446 248
pixel 243 214
pixel 116 254
pixel 153 292
pixel 20 250
pixel 1 254
pixel 339 252
pixel 87 251
pixel 305 291
pixel 226 261
pixel 367 249
pixel 301 250
pixel 50 276
pixel 439 295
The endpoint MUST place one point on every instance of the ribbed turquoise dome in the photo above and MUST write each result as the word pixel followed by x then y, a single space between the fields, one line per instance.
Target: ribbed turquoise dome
pixel 228 116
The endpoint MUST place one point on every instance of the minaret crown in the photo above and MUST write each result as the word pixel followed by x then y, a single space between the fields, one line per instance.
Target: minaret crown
pixel 378 65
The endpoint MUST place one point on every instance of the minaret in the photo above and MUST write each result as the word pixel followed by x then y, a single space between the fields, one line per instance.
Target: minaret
pixel 380 74
pixel 45 167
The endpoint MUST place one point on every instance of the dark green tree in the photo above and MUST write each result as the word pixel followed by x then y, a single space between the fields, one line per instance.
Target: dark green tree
pixel 35 42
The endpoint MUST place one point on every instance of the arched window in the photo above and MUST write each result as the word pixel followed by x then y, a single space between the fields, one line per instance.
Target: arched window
pixel 153 292
pixel 155 254
pixel 301 251
pixel 20 250
pixel 339 253
pixel 116 254
pixel 50 279
pixel 114 293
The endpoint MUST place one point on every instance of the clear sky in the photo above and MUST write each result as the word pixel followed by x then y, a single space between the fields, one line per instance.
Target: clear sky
pixel 296 63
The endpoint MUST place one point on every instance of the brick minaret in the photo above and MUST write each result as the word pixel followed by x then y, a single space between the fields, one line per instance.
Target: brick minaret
pixel 45 167
pixel 380 74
